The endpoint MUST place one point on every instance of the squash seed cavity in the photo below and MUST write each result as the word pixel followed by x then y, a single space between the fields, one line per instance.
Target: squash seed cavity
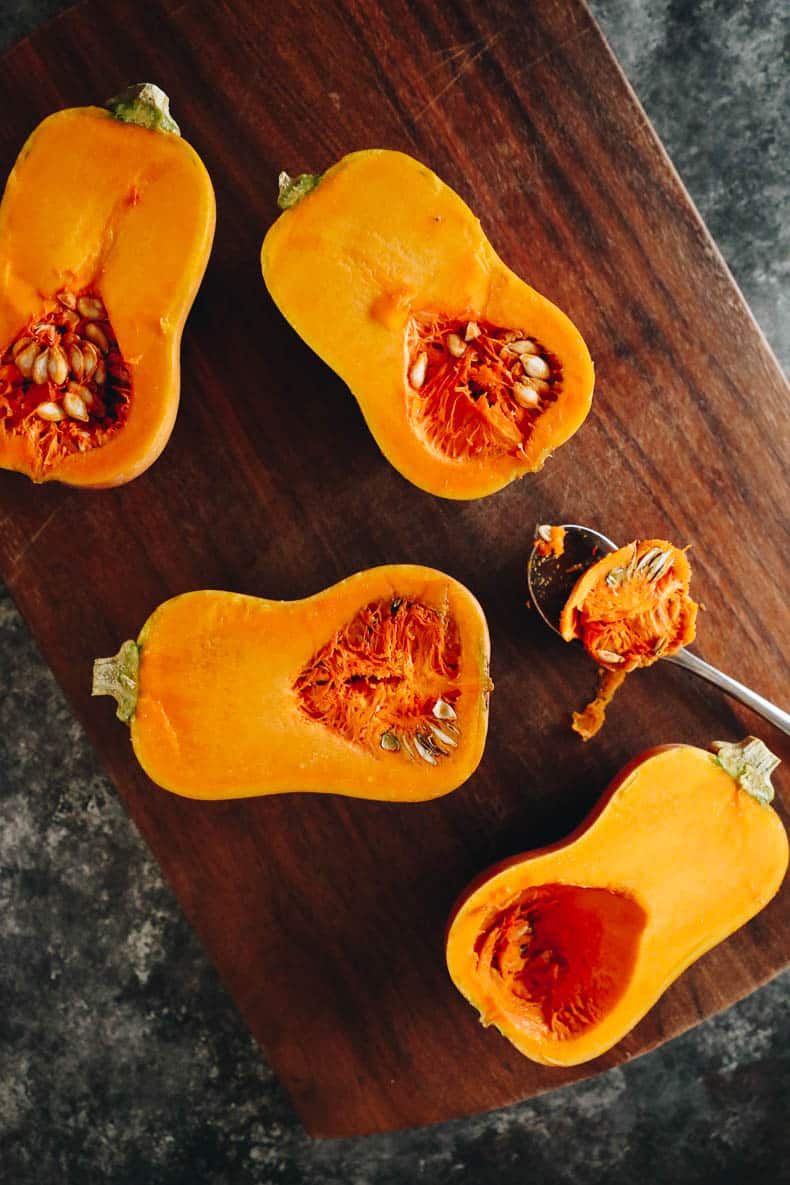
pixel 387 681
pixel 475 389
pixel 64 384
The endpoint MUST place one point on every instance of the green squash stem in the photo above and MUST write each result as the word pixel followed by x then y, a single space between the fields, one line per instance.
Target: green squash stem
pixel 751 763
pixel 293 189
pixel 145 105
pixel 117 676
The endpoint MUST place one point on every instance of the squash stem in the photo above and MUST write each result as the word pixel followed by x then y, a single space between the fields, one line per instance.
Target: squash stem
pixel 117 676
pixel 145 105
pixel 293 189
pixel 751 763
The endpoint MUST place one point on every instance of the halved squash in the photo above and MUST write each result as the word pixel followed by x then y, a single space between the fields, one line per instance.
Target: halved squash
pixel 376 688
pixel 565 949
pixel 106 227
pixel 467 377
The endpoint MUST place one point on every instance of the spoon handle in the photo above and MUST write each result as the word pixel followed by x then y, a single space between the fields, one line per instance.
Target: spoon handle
pixel 764 707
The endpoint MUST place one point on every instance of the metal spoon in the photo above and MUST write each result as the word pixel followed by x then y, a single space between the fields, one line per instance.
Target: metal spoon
pixel 551 580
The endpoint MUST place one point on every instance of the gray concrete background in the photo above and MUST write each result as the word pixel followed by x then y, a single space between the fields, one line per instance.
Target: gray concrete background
pixel 121 1057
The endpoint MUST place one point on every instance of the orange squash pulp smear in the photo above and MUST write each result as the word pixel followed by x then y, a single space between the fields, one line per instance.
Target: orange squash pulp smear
pixel 629 609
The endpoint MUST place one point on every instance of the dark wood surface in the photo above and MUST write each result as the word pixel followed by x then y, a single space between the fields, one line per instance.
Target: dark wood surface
pixel 325 916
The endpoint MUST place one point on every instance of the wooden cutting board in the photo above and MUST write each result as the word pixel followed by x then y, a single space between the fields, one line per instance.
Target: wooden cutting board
pixel 325 916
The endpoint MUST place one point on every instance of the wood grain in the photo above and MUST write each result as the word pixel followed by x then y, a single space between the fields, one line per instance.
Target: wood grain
pixel 325 916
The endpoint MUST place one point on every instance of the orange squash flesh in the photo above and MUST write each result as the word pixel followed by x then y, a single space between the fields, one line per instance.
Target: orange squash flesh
pixel 387 275
pixel 565 949
pixel 106 209
pixel 629 609
pixel 375 688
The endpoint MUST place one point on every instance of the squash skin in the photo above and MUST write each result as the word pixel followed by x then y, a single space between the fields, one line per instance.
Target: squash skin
pixel 130 211
pixel 216 713
pixel 346 267
pixel 674 834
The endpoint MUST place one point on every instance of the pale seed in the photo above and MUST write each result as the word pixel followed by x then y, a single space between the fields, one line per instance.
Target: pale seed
pixel 91 307
pixel 454 344
pixel 95 333
pixel 648 558
pixel 67 299
pixel 76 362
pixel 524 346
pixel 660 565
pixel 443 711
pixel 25 359
pixel 75 406
pixel 83 393
pixel 420 744
pixel 536 367
pixel 444 737
pixel 90 357
pixel 543 532
pixel 51 412
pixel 418 370
pixel 21 344
pixel 525 396
pixel 57 366
pixel 610 656
pixel 40 367
pixel 472 331
pixel 390 742
pixel 407 749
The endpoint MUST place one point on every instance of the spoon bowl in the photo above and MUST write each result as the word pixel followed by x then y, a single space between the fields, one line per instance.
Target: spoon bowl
pixel 551 578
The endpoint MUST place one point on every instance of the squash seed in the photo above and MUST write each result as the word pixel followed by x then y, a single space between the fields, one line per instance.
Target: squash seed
pixel 84 393
pixel 442 736
pixel 91 307
pixel 40 368
pixel 75 407
pixel 90 359
pixel 536 367
pixel 51 412
pixel 57 366
pixel 95 333
pixel 647 559
pixel 26 358
pixel 454 344
pixel 390 742
pixel 472 331
pixel 407 749
pixel 443 711
pixel 76 362
pixel 660 566
pixel 610 656
pixel 67 299
pixel 523 346
pixel 21 344
pixel 525 396
pixel 418 370
pixel 422 745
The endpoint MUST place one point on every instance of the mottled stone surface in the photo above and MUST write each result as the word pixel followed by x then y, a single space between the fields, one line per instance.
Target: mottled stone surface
pixel 121 1057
